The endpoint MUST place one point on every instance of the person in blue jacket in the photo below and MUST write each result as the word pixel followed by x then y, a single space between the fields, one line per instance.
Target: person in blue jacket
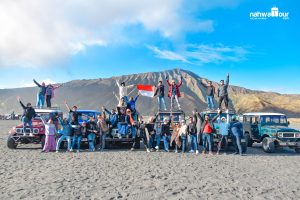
pixel 131 104
pixel 66 133
pixel 41 94
pixel 236 128
pixel 112 118
pixel 223 130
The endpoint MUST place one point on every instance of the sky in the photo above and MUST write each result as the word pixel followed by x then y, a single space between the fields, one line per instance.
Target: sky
pixel 58 41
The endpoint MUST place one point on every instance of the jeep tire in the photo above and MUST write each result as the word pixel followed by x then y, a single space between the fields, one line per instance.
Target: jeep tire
pixel 248 140
pixel 268 145
pixel 11 144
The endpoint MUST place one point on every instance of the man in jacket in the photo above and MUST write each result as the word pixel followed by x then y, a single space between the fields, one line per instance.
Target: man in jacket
pixel 207 130
pixel 160 93
pixel 236 128
pixel 210 93
pixel 192 131
pixel 223 93
pixel 174 92
pixel 112 118
pixel 223 130
pixel 27 116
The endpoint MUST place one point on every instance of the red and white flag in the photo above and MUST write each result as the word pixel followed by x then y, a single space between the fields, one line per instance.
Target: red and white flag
pixel 146 90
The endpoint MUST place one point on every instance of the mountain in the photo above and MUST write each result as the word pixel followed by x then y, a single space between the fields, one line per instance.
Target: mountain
pixel 91 94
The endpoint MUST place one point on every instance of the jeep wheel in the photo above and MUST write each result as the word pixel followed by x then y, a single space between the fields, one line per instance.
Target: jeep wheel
pixel 244 146
pixel 297 150
pixel 268 145
pixel 11 144
pixel 248 140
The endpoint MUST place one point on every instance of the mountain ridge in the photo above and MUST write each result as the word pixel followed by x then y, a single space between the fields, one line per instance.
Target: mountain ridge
pixel 92 93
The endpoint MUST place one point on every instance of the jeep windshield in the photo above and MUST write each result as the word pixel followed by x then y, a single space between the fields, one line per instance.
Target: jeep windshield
pixel 212 115
pixel 274 120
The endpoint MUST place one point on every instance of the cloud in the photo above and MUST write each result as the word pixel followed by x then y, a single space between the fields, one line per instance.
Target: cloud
pixel 35 33
pixel 202 53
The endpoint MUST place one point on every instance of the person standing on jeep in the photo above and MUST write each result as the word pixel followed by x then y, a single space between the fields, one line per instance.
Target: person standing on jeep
pixel 50 93
pixel 236 128
pixel 192 131
pixel 160 93
pixel 27 116
pixel 41 94
pixel 174 92
pixel 210 93
pixel 223 93
pixel 207 129
pixel 123 90
pixel 223 130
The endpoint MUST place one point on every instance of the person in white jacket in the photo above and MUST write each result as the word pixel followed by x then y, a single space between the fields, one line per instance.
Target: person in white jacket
pixel 123 90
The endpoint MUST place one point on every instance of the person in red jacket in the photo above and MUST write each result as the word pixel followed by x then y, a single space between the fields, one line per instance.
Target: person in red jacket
pixel 174 92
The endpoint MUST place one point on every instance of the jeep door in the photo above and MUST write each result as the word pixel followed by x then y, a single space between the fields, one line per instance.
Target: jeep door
pixel 255 128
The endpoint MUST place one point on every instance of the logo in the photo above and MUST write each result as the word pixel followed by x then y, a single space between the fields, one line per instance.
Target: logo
pixel 274 14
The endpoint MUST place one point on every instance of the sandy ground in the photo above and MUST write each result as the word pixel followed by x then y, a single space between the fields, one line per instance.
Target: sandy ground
pixel 119 174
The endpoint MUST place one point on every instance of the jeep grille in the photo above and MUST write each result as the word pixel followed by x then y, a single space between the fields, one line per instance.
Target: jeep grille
pixel 286 135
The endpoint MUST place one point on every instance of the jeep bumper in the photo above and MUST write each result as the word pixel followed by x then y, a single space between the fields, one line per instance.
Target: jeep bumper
pixel 289 144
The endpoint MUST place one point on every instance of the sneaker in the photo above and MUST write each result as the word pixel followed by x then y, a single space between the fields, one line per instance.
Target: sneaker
pixel 24 134
pixel 57 151
pixel 132 149
pixel 192 151
pixel 148 150
pixel 197 152
pixel 167 150
pixel 31 134
pixel 175 151
pixel 210 153
pixel 235 153
pixel 203 152
pixel 157 147
pixel 78 151
pixel 152 149
pixel 71 150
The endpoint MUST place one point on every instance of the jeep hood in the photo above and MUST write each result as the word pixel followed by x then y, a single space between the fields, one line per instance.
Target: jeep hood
pixel 281 129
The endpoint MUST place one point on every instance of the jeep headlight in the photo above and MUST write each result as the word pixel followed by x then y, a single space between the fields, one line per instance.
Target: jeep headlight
pixel 297 135
pixel 280 135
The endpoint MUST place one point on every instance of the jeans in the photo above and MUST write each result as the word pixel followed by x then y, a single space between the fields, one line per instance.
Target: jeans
pixel 208 138
pixel 91 139
pixel 194 143
pixel 210 102
pixel 166 142
pixel 225 98
pixel 161 101
pixel 26 121
pixel 102 141
pixel 62 138
pixel 225 139
pixel 183 143
pixel 151 141
pixel 237 144
pixel 40 101
pixel 158 137
pixel 76 140
pixel 177 101
pixel 48 101
pixel 133 131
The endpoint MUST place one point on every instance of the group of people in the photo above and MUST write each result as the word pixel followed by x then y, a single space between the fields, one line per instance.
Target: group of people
pixel 125 118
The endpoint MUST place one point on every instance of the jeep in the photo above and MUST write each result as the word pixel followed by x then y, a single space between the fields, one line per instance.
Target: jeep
pixel 16 135
pixel 272 130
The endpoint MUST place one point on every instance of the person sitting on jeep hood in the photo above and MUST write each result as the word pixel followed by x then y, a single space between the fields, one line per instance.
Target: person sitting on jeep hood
pixel 27 116
pixel 112 117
